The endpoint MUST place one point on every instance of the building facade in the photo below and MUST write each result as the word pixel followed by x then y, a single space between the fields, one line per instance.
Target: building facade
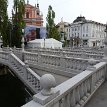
pixel 33 16
pixel 87 33
pixel 63 28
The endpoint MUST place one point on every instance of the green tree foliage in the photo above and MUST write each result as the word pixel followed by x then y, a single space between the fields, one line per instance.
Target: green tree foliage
pixel 52 31
pixel 4 21
pixel 18 23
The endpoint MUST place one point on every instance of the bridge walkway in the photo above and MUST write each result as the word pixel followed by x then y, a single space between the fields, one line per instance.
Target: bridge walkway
pixel 99 99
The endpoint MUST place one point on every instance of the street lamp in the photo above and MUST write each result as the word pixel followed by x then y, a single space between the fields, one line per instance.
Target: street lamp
pixel 62 37
pixel 44 42
pixel 10 31
pixel 22 40
pixel 1 42
pixel 73 42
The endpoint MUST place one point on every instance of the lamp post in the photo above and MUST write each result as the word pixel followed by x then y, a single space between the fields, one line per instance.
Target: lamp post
pixel 62 37
pixel 23 45
pixel 1 42
pixel 10 31
pixel 1 21
pixel 22 40
pixel 44 42
pixel 73 43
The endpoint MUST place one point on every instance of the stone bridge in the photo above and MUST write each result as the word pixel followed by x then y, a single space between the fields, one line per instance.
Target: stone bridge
pixel 87 75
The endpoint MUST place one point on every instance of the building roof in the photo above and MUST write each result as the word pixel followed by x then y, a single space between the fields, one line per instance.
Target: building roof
pixel 28 5
pixel 80 18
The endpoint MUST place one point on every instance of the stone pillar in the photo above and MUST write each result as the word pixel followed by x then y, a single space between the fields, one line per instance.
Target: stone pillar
pixel 48 93
pixel 26 64
pixel 62 61
pixel 22 43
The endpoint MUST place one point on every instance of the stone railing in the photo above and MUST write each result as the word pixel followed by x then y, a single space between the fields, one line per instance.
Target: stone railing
pixel 70 53
pixel 67 64
pixel 90 51
pixel 22 70
pixel 74 92
pixel 98 55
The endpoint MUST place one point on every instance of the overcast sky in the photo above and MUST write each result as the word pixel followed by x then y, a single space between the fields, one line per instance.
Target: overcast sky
pixel 95 10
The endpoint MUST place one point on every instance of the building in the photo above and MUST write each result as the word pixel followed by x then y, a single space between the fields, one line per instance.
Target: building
pixel 63 28
pixel 87 32
pixel 33 15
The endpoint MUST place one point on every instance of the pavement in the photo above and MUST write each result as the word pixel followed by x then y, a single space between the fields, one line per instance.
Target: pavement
pixel 99 99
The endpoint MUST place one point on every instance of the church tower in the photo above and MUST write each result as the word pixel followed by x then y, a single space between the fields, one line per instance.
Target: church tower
pixel 33 15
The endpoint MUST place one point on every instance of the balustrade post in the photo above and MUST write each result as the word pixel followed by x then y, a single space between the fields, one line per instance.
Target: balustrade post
pixel 39 58
pixel 62 61
pixel 25 68
pixel 26 64
pixel 92 68
pixel 14 48
pixel 23 52
pixel 83 54
pixel 48 93
pixel 10 57
pixel 105 60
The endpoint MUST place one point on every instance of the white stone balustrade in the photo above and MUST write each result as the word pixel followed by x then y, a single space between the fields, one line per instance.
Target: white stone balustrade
pixel 73 53
pixel 60 62
pixel 29 77
pixel 80 53
pixel 4 56
pixel 74 92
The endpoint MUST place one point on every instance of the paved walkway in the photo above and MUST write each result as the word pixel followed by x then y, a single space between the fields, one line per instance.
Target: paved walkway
pixel 99 99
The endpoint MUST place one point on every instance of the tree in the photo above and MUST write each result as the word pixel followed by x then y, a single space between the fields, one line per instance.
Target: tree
pixel 52 31
pixel 18 23
pixel 3 21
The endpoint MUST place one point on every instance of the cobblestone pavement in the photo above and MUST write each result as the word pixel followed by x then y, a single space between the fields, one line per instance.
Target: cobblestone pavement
pixel 99 99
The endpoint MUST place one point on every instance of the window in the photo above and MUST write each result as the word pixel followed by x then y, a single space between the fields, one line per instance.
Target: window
pixel 78 34
pixel 87 28
pixel 83 29
pixel 86 35
pixel 27 15
pixel 78 28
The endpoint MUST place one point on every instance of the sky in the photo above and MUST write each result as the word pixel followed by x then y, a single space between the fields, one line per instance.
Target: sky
pixel 68 10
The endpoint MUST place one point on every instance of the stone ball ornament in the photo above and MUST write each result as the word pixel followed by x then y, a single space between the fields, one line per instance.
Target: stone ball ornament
pixel 47 82
pixel 91 61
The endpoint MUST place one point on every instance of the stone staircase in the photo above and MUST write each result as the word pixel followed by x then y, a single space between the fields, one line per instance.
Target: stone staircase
pixel 24 73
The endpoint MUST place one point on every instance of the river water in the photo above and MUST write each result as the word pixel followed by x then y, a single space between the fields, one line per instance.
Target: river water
pixel 12 93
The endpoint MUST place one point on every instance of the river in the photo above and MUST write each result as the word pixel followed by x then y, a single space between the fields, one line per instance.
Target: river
pixel 12 92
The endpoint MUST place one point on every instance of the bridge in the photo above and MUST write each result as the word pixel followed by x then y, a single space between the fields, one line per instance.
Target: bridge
pixel 58 77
